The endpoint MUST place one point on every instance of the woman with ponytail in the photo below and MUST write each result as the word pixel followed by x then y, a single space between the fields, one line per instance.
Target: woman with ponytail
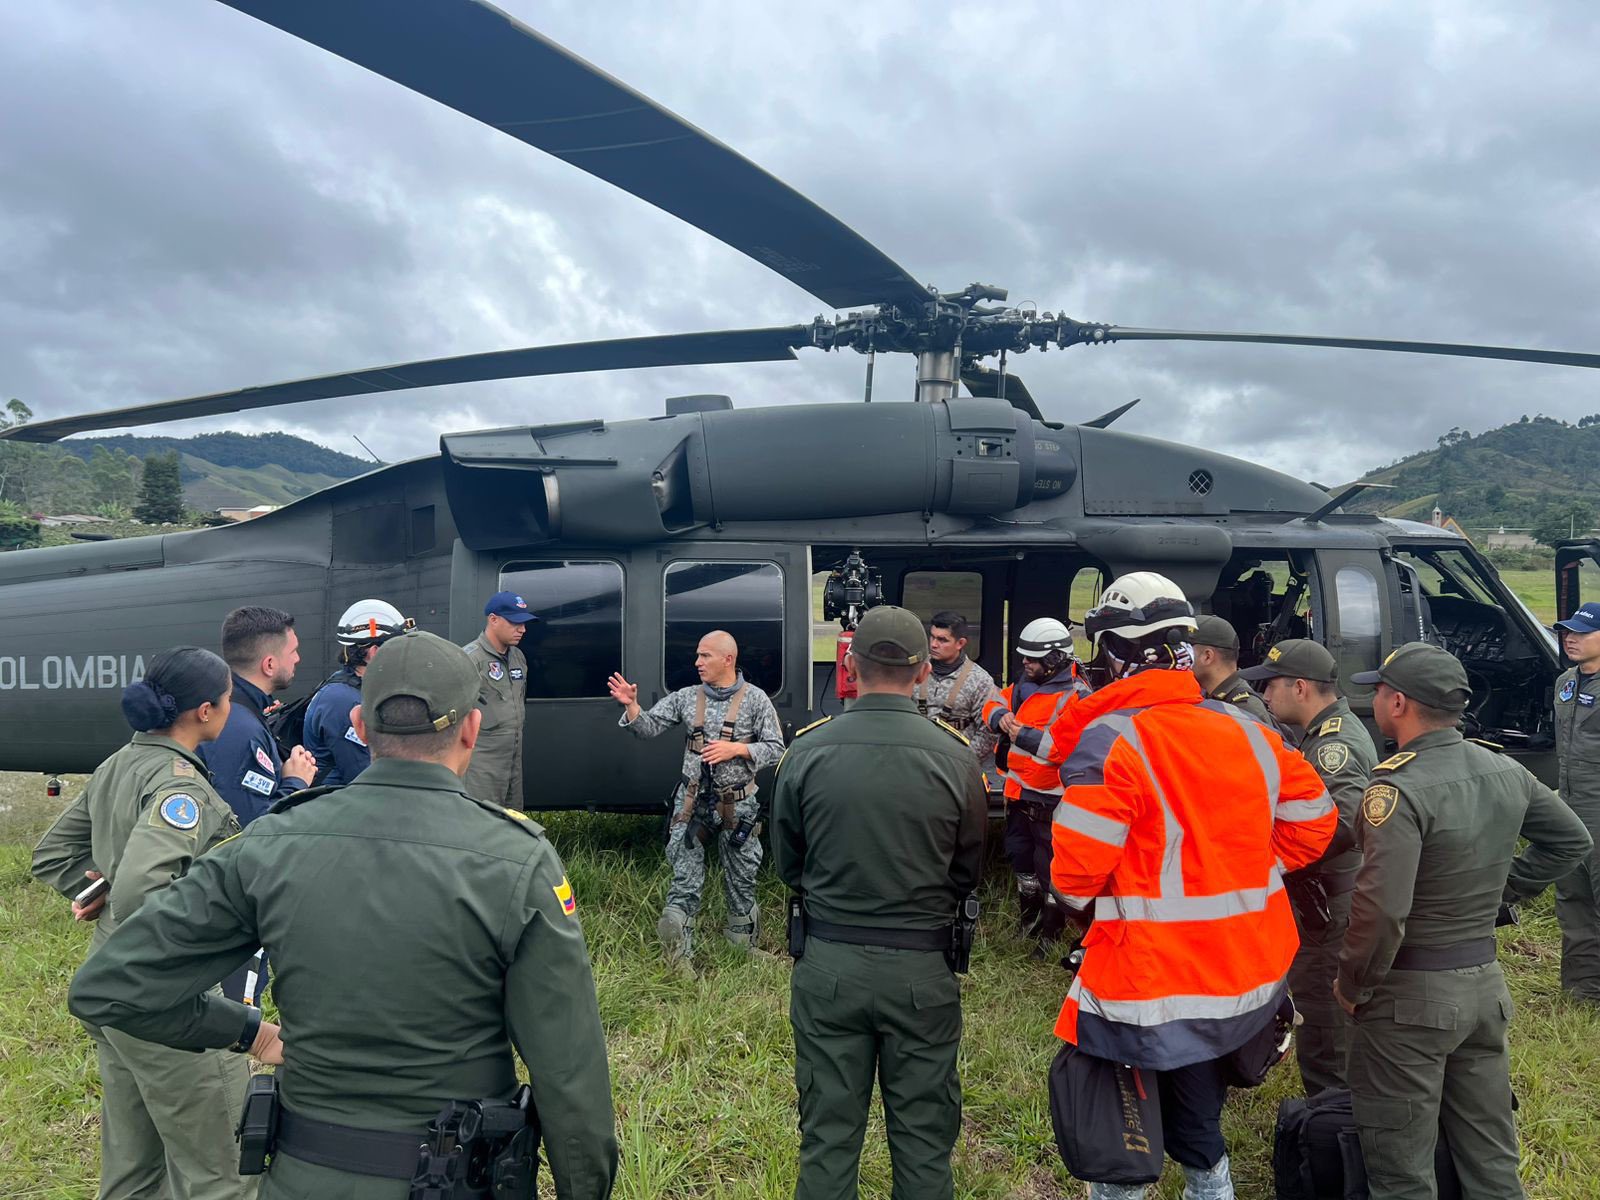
pixel 168 1116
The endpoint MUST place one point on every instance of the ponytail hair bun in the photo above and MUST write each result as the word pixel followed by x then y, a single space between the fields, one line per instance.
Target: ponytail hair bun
pixel 176 682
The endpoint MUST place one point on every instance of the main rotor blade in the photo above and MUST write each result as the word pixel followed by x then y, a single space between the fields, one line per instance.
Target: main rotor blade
pixel 667 350
pixel 1562 358
pixel 984 382
pixel 479 61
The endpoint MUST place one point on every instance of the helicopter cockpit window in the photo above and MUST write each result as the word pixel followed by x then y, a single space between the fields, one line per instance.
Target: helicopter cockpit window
pixel 577 640
pixel 743 598
pixel 1360 619
pixel 928 592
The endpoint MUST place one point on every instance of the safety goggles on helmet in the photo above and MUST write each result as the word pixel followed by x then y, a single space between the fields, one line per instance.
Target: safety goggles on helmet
pixel 1133 620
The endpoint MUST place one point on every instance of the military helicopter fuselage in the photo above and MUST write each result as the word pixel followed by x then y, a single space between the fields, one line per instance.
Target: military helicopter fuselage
pixel 631 539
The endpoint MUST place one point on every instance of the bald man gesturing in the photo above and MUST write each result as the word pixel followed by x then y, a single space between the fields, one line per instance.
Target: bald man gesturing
pixel 733 732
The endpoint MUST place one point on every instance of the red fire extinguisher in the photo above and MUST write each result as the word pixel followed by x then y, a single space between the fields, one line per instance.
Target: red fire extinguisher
pixel 843 685
pixel 52 787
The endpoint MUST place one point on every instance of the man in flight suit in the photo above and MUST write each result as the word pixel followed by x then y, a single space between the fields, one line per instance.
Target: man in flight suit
pixel 1216 666
pixel 1298 687
pixel 419 934
pixel 733 733
pixel 1439 828
pixel 1578 752
pixel 878 819
pixel 496 770
pixel 261 648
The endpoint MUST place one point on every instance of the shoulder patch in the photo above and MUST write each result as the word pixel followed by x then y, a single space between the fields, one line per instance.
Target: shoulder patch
pixel 563 891
pixel 265 760
pixel 182 768
pixel 952 731
pixel 350 735
pixel 180 810
pixel 812 726
pixel 1379 802
pixel 1331 725
pixel 1333 756
pixel 1395 761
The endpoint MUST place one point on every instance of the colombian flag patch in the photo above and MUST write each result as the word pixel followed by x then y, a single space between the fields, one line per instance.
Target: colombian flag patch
pixel 563 892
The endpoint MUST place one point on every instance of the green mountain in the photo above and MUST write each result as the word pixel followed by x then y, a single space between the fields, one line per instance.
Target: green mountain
pixel 1507 476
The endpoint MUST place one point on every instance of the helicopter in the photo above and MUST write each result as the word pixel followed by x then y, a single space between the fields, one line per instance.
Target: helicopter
pixel 632 538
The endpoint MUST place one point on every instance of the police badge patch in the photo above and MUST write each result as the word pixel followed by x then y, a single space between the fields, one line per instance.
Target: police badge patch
pixel 1333 756
pixel 1569 689
pixel 1379 803
pixel 496 671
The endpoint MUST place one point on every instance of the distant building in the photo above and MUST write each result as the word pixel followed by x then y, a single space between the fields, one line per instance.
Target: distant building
pixel 246 514
pixel 1448 524
pixel 1509 539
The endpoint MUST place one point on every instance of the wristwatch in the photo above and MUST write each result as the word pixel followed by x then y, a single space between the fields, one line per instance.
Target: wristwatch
pixel 247 1038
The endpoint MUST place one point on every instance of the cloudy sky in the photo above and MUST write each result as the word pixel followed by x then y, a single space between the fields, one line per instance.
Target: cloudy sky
pixel 191 201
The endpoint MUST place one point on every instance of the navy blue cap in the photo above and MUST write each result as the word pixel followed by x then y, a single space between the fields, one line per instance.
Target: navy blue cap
pixel 1585 620
pixel 509 606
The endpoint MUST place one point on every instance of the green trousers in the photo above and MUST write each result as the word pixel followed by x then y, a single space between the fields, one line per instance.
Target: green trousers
pixel 1578 912
pixel 862 1013
pixel 1428 1053
pixel 1322 1042
pixel 289 1178
pixel 167 1120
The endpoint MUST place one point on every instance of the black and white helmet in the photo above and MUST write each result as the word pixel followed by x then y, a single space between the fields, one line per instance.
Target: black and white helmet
pixel 1139 610
pixel 1040 638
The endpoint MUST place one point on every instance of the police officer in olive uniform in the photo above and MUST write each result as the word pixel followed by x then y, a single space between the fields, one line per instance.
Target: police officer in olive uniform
pixel 167 1117
pixel 419 935
pixel 1299 688
pixel 496 770
pixel 1578 751
pixel 1439 827
pixel 1216 666
pixel 878 820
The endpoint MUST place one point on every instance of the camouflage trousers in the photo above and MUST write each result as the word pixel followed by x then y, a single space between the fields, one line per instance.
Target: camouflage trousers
pixel 687 858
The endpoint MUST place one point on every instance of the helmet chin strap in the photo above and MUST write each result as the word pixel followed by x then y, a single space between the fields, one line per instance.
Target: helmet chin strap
pixel 1166 657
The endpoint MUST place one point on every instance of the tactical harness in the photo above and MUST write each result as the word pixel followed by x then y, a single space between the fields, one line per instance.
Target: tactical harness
pixel 934 711
pixel 726 798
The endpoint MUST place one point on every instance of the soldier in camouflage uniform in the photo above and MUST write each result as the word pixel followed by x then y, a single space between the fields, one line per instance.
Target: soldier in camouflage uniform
pixel 733 732
pixel 1299 689
pixel 1216 666
pixel 167 1116
pixel 958 688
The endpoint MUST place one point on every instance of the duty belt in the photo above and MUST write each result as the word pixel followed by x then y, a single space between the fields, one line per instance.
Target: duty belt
pixel 359 1151
pixel 1474 953
pixel 893 939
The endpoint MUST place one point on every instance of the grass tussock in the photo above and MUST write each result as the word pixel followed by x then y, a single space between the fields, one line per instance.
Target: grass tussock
pixel 702 1069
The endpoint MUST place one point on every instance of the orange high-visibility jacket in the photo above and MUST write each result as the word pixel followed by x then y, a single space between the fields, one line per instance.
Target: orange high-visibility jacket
pixel 1030 772
pixel 1178 819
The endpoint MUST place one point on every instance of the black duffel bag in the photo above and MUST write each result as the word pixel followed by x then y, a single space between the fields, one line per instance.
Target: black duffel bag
pixel 1316 1152
pixel 1107 1118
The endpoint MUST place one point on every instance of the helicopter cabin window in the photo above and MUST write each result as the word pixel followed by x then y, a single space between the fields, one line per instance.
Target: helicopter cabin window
pixel 743 598
pixel 1267 598
pixel 577 641
pixel 1360 622
pixel 929 592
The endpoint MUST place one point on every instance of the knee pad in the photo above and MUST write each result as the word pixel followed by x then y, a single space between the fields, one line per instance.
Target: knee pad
pixel 673 930
pixel 743 929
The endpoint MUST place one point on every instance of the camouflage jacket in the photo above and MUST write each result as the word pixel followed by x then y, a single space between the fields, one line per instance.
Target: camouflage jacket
pixel 756 725
pixel 963 709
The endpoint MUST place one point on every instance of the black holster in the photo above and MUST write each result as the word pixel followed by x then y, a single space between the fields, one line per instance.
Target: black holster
pixel 479 1150
pixel 257 1134
pixel 962 930
pixel 797 928
pixel 1309 896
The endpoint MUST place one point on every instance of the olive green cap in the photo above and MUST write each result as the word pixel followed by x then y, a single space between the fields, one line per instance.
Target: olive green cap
pixel 1214 631
pixel 1296 658
pixel 890 636
pixel 1426 674
pixel 426 668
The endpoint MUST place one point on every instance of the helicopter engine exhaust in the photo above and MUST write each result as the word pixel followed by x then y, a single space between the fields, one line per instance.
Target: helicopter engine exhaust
pixel 642 481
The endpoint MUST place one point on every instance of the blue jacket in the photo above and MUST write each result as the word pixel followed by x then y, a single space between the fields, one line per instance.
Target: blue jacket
pixel 246 768
pixel 340 753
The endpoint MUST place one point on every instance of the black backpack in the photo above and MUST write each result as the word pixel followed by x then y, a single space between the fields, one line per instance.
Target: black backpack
pixel 287 722
pixel 1316 1152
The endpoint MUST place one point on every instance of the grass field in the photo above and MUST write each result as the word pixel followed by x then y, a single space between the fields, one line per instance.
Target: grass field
pixel 702 1069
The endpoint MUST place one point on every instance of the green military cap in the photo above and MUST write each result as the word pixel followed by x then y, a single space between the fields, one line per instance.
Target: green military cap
pixel 1425 673
pixel 1296 658
pixel 893 637
pixel 426 668
pixel 1214 631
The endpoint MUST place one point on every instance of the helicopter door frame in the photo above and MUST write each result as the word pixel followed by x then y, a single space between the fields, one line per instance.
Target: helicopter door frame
pixel 1570 557
pixel 1357 619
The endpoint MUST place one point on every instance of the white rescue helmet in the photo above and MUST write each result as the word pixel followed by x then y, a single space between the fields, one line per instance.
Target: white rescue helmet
pixel 1040 638
pixel 1137 605
pixel 368 622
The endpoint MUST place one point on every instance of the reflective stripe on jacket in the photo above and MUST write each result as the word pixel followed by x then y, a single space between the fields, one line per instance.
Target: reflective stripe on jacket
pixel 1030 772
pixel 1178 819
